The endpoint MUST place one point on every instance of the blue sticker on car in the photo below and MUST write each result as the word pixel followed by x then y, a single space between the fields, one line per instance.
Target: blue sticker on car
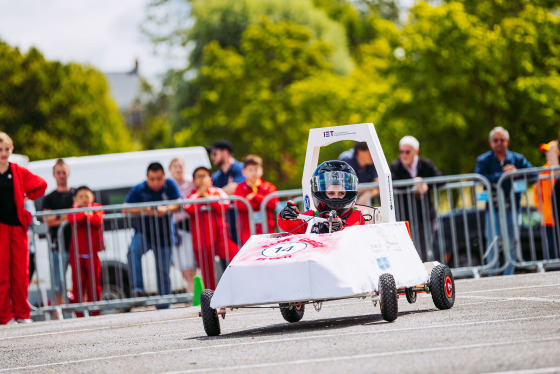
pixel 383 263
pixel 307 203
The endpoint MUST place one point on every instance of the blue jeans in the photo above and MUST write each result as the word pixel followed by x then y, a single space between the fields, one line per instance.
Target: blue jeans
pixel 59 275
pixel 511 237
pixel 138 247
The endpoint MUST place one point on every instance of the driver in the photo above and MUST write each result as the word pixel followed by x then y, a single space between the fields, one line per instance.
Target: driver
pixel 334 187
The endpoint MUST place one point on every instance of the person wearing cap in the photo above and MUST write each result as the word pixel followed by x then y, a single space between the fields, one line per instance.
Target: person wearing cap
pixel 410 165
pixel 359 158
pixel 492 165
pixel 230 172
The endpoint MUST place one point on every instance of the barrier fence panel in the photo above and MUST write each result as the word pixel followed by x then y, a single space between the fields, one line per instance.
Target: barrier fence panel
pixel 129 255
pixel 120 256
pixel 528 201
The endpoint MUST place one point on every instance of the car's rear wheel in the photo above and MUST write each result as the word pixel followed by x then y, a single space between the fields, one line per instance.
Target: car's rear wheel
pixel 410 295
pixel 442 287
pixel 388 297
pixel 294 313
pixel 210 318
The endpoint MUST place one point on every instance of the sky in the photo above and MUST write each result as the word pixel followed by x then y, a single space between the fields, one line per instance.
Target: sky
pixel 103 33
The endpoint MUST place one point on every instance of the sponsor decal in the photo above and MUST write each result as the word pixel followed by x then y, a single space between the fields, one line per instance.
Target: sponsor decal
pixel 307 203
pixel 390 192
pixel 383 263
pixel 330 134
pixel 283 250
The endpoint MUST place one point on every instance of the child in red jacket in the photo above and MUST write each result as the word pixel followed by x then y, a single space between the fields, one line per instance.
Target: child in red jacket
pixel 255 189
pixel 334 186
pixel 210 234
pixel 87 241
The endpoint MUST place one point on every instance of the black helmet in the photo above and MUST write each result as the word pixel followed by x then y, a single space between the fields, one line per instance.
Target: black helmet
pixel 333 178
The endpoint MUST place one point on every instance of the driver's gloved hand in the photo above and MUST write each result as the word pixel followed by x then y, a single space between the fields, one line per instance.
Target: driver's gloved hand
pixel 290 211
pixel 336 225
pixel 320 228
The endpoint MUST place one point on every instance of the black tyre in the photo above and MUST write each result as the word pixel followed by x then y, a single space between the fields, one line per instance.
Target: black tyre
pixel 388 298
pixel 410 295
pixel 293 314
pixel 210 318
pixel 442 287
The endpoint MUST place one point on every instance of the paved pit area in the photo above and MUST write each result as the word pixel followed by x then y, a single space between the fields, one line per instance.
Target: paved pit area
pixel 499 324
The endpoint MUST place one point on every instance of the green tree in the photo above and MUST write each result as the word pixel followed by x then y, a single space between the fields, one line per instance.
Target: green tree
pixel 245 97
pixel 56 110
pixel 455 78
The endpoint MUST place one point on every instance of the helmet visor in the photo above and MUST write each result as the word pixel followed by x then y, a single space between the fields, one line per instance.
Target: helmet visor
pixel 335 184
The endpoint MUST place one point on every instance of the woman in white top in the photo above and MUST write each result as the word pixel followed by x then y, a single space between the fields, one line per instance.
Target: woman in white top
pixel 183 252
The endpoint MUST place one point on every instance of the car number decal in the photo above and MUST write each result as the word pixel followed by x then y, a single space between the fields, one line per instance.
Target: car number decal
pixel 283 249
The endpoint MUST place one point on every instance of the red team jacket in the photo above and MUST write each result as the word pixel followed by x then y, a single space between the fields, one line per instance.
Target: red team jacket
pixel 265 188
pixel 87 232
pixel 209 229
pixel 350 218
pixel 26 185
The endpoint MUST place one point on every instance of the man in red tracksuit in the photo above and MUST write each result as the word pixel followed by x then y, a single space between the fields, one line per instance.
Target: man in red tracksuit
pixel 17 184
pixel 334 187
pixel 210 234
pixel 255 189
pixel 87 241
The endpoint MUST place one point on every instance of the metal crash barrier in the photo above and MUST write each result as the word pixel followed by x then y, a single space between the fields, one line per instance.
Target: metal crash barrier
pixel 528 201
pixel 453 219
pixel 129 260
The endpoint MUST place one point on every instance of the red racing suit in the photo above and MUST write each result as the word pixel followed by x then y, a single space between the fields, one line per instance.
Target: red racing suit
pixel 210 234
pixel 263 189
pixel 14 247
pixel 87 241
pixel 350 218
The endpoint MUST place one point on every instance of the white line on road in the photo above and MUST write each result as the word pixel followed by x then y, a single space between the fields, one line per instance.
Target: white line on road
pixel 541 299
pixel 512 288
pixel 362 356
pixel 272 341
pixel 555 369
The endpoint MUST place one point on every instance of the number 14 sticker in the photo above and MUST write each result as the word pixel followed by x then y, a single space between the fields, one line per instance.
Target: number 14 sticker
pixel 283 249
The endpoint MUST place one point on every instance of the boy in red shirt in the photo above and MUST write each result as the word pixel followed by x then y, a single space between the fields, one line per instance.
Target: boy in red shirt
pixel 210 234
pixel 87 241
pixel 334 186
pixel 255 189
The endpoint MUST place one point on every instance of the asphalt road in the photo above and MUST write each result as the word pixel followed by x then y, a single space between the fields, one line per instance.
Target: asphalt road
pixel 501 324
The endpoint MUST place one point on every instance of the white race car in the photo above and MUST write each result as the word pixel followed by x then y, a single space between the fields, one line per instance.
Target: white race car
pixel 377 260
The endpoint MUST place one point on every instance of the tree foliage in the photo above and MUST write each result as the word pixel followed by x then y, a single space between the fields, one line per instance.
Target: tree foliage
pixel 53 110
pixel 447 75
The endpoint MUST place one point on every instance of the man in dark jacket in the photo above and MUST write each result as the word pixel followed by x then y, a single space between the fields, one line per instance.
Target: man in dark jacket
pixel 415 204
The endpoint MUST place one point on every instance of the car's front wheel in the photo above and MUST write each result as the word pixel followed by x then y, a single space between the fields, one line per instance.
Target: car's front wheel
pixel 293 313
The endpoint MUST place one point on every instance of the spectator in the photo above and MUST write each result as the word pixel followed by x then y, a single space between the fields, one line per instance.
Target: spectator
pixel 87 241
pixel 418 210
pixel 154 230
pixel 255 189
pixel 492 165
pixel 61 198
pixel 334 186
pixel 210 233
pixel 183 252
pixel 17 184
pixel 542 195
pixel 228 176
pixel 553 159
pixel 360 159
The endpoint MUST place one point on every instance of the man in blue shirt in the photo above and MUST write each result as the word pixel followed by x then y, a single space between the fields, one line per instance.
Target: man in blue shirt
pixel 153 229
pixel 228 176
pixel 492 165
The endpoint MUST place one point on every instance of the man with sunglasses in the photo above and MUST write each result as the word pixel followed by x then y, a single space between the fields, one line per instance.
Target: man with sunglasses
pixel 419 208
pixel 492 165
